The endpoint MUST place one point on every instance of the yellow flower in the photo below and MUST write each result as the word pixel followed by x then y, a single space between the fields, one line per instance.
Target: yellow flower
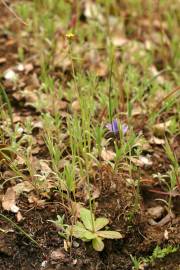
pixel 70 35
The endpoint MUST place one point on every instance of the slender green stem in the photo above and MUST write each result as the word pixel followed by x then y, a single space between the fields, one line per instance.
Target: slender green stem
pixel 6 100
pixel 109 93
pixel 20 229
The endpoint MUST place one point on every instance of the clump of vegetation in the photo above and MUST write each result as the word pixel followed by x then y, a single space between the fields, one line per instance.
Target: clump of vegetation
pixel 88 229
pixel 158 253
pixel 89 115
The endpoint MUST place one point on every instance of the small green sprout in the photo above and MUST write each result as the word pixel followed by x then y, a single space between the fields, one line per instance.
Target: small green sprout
pixel 60 224
pixel 159 253
pixel 137 262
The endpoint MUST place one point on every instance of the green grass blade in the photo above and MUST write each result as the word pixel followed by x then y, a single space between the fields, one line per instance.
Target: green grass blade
pixel 7 101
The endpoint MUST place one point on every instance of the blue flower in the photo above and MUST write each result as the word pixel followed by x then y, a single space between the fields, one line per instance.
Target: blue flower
pixel 113 127
pixel 124 128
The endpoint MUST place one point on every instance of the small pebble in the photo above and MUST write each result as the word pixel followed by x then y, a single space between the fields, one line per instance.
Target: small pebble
pixel 75 244
pixel 10 75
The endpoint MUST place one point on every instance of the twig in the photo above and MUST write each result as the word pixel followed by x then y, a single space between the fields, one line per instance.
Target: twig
pixel 166 97
pixel 173 193
pixel 13 12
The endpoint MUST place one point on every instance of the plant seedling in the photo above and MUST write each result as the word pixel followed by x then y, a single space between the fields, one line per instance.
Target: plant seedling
pixel 89 229
pixel 158 253
pixel 60 223
pixel 137 262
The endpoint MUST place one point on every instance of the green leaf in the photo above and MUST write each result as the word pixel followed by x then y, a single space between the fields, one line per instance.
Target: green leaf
pixel 109 234
pixel 98 244
pixel 89 235
pixel 7 101
pixel 100 223
pixel 77 231
pixel 86 218
pixel 79 224
pixel 80 232
pixel 62 234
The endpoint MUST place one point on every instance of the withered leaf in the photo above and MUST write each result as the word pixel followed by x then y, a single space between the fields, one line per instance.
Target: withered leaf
pixel 9 201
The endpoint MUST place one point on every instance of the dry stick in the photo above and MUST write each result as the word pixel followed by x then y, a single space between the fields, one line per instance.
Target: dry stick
pixel 171 193
pixel 166 97
pixel 13 12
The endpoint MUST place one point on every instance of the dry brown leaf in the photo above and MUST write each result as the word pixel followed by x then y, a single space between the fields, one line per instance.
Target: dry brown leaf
pixel 107 155
pixel 23 187
pixel 118 40
pixel 61 104
pixel 101 70
pixel 146 161
pixel 20 160
pixel 160 129
pixel 35 200
pixel 166 234
pixel 138 111
pixel 35 81
pixel 61 56
pixel 143 144
pixel 76 208
pixel 156 74
pixel 141 161
pixel 75 106
pixel 17 118
pixel 38 125
pixel 28 68
pixel 93 11
pixel 2 60
pixel 156 212
pixel 9 201
pixel 31 97
pixel 44 167
pixel 19 217
pixel 157 141
pixel 57 255
pixel 95 194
